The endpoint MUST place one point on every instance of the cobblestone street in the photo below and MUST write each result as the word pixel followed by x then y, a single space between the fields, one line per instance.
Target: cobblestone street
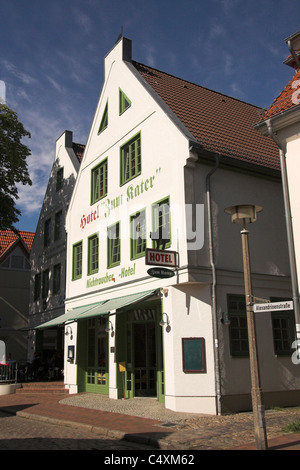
pixel 18 433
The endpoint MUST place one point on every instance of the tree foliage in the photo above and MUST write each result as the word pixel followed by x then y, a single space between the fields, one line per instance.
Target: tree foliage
pixel 13 165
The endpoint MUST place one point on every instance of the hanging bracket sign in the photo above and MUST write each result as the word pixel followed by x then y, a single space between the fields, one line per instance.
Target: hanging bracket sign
pixel 161 258
pixel 162 273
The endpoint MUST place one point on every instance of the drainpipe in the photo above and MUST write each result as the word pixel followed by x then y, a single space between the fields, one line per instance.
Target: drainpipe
pixel 213 289
pixel 289 227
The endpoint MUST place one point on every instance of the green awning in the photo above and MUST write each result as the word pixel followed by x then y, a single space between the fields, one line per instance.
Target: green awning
pixel 110 306
pixel 68 316
pixel 105 307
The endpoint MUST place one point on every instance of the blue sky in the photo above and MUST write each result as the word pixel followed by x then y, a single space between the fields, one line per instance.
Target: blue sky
pixel 52 52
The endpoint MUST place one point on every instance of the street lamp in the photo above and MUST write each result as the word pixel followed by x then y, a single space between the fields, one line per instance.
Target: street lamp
pixel 245 214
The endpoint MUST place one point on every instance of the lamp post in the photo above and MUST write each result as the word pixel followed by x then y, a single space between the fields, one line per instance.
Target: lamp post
pixel 245 214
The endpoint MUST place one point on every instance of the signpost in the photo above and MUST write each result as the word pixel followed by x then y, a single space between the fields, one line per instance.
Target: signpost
pixel 273 306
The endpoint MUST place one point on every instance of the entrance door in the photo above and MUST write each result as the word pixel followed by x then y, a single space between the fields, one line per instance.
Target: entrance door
pixel 144 355
pixel 97 367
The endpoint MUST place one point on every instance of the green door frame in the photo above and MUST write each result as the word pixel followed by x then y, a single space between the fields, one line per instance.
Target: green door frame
pixel 125 349
pixel 92 370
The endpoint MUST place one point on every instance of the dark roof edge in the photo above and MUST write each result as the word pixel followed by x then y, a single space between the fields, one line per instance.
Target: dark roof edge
pixel 230 162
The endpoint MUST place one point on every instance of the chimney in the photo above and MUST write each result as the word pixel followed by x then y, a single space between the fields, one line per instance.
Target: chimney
pixel 293 43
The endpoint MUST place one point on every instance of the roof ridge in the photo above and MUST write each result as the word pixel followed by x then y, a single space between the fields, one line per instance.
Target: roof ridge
pixel 197 85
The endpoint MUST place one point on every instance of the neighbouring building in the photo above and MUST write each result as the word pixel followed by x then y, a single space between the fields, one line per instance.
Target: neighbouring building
pixel 163 159
pixel 281 121
pixel 14 291
pixel 48 254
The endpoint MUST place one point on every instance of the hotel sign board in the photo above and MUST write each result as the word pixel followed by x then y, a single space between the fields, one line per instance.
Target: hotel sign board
pixel 161 258
pixel 274 306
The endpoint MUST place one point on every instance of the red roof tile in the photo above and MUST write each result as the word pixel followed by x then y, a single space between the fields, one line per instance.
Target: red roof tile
pixel 78 150
pixel 218 122
pixel 8 239
pixel 287 99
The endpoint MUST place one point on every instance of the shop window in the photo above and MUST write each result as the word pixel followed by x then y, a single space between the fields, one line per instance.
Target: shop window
pixel 99 182
pixel 238 329
pixel 138 234
pixel 130 160
pixel 93 254
pixel 124 102
pixel 113 245
pixel 77 261
pixel 104 120
pixel 161 234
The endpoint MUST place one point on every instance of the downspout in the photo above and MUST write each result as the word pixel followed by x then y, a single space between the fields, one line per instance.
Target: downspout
pixel 213 287
pixel 289 227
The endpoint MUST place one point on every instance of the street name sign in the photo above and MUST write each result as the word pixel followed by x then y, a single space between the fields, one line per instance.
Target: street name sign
pixel 273 306
pixel 161 258
pixel 161 273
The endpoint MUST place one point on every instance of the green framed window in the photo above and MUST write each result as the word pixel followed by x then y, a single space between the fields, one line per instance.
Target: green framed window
pixel 56 278
pixel 238 329
pixel 58 226
pixel 59 178
pixel 45 284
pixel 99 182
pixel 161 223
pixel 104 120
pixel 47 233
pixel 77 261
pixel 37 286
pixel 93 254
pixel 124 102
pixel 113 245
pixel 138 234
pixel 130 159
pixel 284 330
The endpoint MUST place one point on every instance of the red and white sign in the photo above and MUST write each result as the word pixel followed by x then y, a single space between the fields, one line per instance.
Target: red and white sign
pixel 161 257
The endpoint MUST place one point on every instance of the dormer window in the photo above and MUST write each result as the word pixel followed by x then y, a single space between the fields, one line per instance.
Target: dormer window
pixel 124 102
pixel 104 120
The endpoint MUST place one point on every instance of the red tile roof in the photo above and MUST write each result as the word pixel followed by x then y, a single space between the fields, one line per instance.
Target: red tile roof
pixel 78 150
pixel 287 99
pixel 218 122
pixel 8 238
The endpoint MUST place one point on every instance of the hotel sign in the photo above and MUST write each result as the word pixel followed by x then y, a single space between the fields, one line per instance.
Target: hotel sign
pixel 161 258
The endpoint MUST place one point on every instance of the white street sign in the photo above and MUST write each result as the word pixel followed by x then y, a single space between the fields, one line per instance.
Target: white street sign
pixel 273 306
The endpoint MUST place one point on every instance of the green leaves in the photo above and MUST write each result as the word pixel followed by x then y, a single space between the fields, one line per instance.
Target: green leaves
pixel 13 165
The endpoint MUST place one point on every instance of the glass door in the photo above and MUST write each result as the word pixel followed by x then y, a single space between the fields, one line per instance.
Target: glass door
pixel 97 348
pixel 144 366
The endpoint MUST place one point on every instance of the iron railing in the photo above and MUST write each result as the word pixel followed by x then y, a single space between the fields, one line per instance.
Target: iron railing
pixel 9 373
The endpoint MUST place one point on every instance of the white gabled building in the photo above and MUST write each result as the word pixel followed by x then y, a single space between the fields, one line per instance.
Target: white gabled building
pixel 48 253
pixel 165 156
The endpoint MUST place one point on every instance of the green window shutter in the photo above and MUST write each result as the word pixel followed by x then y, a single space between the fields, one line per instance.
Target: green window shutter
pixel 93 254
pixel 77 261
pixel 138 234
pixel 161 222
pixel 99 182
pixel 104 120
pixel 130 160
pixel 124 102
pixel 113 245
